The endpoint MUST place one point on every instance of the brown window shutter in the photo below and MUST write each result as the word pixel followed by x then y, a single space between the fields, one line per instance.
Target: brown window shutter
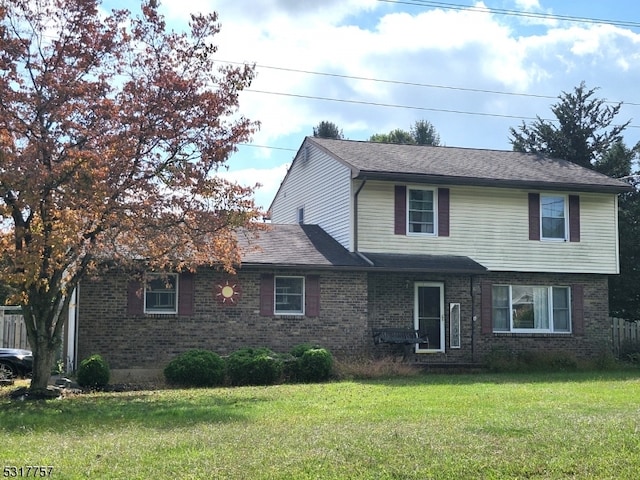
pixel 486 308
pixel 400 210
pixel 312 296
pixel 577 309
pixel 534 216
pixel 574 218
pixel 185 294
pixel 266 295
pixel 443 212
pixel 135 299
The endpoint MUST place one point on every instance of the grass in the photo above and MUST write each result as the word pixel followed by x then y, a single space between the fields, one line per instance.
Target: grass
pixel 579 425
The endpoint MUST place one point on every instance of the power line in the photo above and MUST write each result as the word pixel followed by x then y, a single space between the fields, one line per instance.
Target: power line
pixel 390 105
pixel 408 107
pixel 412 84
pixel 515 13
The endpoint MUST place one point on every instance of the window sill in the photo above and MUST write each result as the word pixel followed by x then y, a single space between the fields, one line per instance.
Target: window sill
pixel 532 334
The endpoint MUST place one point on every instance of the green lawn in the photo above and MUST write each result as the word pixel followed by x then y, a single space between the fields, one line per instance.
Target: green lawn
pixel 580 425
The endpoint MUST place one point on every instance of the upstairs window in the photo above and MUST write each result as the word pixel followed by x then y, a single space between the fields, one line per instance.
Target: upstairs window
pixel 421 211
pixel 161 294
pixel 553 217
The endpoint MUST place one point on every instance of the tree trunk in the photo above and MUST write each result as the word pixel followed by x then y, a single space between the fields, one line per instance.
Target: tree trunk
pixel 43 357
pixel 44 320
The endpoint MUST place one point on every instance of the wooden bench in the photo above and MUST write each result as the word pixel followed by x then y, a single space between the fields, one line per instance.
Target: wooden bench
pixel 399 336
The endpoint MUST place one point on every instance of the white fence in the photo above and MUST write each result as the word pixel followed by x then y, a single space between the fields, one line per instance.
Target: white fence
pixel 623 332
pixel 13 333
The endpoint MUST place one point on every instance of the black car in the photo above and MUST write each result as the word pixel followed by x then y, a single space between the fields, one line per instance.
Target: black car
pixel 15 362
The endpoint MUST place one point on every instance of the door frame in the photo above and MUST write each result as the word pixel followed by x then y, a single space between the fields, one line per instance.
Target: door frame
pixel 440 285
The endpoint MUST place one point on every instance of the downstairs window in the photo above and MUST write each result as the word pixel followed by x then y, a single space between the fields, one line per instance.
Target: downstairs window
pixel 531 309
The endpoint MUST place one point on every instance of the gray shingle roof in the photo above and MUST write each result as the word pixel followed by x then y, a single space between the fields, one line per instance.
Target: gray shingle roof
pixel 309 246
pixel 466 166
pixel 297 246
pixel 425 263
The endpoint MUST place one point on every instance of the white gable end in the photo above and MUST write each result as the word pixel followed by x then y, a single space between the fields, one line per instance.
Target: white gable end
pixel 316 190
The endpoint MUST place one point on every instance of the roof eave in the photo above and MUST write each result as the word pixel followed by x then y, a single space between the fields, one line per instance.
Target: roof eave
pixel 489 182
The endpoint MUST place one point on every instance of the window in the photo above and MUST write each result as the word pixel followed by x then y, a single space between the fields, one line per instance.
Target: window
pixel 289 296
pixel 301 215
pixel 523 308
pixel 161 294
pixel 421 211
pixel 553 217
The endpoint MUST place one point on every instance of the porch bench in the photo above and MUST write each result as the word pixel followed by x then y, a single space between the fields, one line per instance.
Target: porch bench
pixel 398 336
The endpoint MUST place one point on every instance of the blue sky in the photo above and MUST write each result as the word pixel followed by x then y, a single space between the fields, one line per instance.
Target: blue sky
pixel 473 69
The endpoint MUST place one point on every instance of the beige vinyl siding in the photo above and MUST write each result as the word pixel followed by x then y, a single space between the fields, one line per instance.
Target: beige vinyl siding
pixel 322 186
pixel 490 225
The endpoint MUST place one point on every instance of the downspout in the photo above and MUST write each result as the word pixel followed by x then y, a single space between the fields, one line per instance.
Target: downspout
pixel 355 215
pixel 473 319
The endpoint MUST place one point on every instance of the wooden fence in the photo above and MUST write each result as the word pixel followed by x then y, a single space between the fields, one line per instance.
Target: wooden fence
pixel 13 333
pixel 623 332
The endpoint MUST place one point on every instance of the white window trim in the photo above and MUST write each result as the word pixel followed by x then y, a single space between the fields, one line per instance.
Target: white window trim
pixel 300 215
pixel 275 304
pixel 549 308
pixel 566 218
pixel 434 191
pixel 154 311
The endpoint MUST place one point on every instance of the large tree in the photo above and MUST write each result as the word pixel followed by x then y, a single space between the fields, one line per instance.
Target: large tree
pixel 582 132
pixel 112 129
pixel 422 132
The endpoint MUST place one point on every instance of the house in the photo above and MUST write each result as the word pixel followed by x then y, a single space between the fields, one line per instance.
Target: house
pixel 475 249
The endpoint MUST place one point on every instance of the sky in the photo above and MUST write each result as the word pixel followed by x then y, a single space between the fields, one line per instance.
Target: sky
pixel 472 69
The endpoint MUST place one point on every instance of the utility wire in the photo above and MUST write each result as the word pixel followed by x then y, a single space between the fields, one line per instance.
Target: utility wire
pixel 515 13
pixel 412 84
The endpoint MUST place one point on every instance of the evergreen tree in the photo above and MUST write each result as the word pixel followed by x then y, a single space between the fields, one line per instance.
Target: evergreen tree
pixel 328 130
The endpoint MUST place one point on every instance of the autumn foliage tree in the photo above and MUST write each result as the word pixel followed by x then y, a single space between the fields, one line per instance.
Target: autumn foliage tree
pixel 112 129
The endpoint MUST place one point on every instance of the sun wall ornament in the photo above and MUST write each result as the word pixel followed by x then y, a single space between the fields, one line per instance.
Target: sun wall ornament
pixel 227 292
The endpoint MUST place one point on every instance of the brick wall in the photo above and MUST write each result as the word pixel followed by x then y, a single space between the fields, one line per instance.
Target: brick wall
pixel 391 304
pixel 150 341
pixel 351 304
pixel 596 337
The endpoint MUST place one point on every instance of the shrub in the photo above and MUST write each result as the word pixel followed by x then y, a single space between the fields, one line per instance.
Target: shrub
pixel 93 372
pixel 315 365
pixel 254 366
pixel 299 350
pixel 195 368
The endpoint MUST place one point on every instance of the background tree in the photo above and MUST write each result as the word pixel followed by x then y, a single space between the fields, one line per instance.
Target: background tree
pixel 584 130
pixel 111 132
pixel 421 133
pixel 586 136
pixel 328 130
pixel 424 133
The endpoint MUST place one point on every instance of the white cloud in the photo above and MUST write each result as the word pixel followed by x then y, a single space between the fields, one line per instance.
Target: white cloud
pixel 470 49
pixel 268 178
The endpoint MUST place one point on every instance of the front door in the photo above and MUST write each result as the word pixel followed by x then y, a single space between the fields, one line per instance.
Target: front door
pixel 429 315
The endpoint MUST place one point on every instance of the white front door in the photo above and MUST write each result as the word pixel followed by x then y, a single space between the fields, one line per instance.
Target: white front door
pixel 429 315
